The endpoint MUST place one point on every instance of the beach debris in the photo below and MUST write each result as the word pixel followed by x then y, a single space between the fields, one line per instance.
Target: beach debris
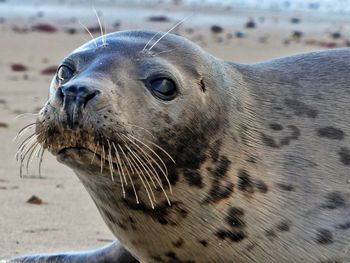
pixel 94 29
pixel 3 125
pixel 295 20
pixel 216 29
pixel 20 29
pixel 46 28
pixel 297 35
pixel 18 67
pixel 240 34
pixel 336 35
pixel 250 24
pixel 189 30
pixel 117 25
pixel 34 200
pixel 286 42
pixel 71 31
pixel 160 18
pixel 49 70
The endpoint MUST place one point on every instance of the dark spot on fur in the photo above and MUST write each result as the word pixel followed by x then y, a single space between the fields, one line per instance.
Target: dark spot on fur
pixel 269 141
pixel 235 217
pixel 234 236
pixel 251 159
pixel 333 200
pixel 221 187
pixel 270 234
pixel 283 226
pixel 276 126
pixel 244 182
pixel 203 88
pixel 331 261
pixel 344 154
pixel 261 186
pixel 285 187
pixel 178 243
pixel 108 215
pixel 331 133
pixel 171 254
pixel 250 247
pixel 157 258
pixel 215 149
pixel 121 225
pixel 203 242
pixel 300 108
pixel 324 237
pixel 163 213
pixel 193 178
pixel 344 226
pixel 293 136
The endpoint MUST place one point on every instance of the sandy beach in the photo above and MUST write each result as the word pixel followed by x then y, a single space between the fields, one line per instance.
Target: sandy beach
pixel 33 43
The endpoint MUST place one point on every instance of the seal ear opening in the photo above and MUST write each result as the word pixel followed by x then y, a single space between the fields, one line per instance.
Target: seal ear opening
pixel 202 85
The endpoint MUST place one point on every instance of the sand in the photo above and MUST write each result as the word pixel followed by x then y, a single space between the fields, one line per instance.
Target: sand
pixel 67 219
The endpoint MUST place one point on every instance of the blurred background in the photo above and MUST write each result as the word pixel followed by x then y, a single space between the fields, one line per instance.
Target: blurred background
pixel 53 212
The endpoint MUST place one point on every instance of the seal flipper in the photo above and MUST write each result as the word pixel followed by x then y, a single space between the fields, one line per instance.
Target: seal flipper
pixel 113 253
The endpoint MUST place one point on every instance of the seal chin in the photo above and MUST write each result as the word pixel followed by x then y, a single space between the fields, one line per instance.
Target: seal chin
pixel 76 157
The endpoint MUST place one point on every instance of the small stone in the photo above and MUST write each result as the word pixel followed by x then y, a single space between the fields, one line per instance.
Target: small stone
pixel 51 70
pixel 18 67
pixel 35 200
pixel 216 29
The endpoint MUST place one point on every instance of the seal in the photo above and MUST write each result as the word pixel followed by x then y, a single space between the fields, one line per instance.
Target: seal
pixel 190 158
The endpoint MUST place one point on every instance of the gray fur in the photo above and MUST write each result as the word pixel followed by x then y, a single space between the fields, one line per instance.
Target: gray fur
pixel 262 152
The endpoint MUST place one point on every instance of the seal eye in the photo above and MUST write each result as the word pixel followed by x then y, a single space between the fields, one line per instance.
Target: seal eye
pixel 164 88
pixel 64 73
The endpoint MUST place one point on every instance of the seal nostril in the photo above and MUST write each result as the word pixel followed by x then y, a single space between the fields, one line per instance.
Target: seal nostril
pixel 90 97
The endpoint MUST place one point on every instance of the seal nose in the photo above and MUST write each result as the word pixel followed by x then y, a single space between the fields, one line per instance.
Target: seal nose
pixel 74 99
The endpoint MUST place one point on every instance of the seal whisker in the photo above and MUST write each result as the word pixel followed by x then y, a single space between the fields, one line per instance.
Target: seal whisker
pixel 165 51
pixel 30 157
pixel 25 145
pixel 154 161
pixel 155 174
pixel 103 157
pixel 23 131
pixel 142 165
pixel 135 157
pixel 163 150
pixel 139 173
pixel 133 125
pixel 91 35
pixel 41 159
pixel 167 32
pixel 111 170
pixel 24 115
pixel 24 153
pixel 120 169
pixel 149 148
pixel 94 155
pixel 127 170
pixel 105 34
pixel 119 163
pixel 149 41
pixel 101 28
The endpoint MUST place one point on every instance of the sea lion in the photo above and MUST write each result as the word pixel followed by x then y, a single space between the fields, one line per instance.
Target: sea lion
pixel 190 158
